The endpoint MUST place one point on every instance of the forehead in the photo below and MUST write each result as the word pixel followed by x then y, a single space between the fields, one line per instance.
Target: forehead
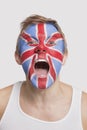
pixel 46 29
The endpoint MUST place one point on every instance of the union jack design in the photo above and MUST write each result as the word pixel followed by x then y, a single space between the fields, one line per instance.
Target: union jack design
pixel 43 45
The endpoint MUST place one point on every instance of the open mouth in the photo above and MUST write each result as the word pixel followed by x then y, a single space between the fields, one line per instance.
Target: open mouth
pixel 41 68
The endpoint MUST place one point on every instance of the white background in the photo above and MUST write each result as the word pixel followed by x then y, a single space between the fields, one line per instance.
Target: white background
pixel 71 16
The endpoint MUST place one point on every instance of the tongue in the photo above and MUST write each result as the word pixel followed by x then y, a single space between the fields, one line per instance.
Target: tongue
pixel 41 73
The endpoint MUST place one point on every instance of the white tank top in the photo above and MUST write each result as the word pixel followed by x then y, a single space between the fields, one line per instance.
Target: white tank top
pixel 15 119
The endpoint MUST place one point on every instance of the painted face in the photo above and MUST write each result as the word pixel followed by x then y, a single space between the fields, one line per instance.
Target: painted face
pixel 41 48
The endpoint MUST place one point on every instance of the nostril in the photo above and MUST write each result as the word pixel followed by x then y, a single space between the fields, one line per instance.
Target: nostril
pixel 38 51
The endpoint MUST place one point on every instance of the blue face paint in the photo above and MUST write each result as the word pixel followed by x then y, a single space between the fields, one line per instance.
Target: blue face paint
pixel 41 47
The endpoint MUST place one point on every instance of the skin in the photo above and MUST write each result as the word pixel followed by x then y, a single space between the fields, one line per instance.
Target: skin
pixel 59 98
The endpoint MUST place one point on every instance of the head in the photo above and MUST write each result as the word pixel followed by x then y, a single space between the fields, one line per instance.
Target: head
pixel 41 50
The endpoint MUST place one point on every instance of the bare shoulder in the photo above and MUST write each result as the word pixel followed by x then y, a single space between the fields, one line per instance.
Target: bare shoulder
pixel 4 97
pixel 84 110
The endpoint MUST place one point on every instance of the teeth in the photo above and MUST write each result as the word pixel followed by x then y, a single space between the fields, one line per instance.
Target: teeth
pixel 41 64
pixel 40 60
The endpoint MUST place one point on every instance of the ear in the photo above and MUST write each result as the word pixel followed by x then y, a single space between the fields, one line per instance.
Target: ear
pixel 64 58
pixel 17 58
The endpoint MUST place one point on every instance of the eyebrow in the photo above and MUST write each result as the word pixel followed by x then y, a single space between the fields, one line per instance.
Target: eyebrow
pixel 27 37
pixel 55 36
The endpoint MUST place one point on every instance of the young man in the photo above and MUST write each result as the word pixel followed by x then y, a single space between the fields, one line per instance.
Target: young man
pixel 42 101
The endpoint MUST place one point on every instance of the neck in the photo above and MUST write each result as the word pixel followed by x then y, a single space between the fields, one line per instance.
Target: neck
pixel 44 95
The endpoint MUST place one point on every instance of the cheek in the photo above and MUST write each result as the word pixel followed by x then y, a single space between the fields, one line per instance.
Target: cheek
pixel 60 46
pixel 25 66
pixel 28 59
pixel 56 66
pixel 23 46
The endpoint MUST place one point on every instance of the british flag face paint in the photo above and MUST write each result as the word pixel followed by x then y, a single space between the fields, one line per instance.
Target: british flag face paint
pixel 41 48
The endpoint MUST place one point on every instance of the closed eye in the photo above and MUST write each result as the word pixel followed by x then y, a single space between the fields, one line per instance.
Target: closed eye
pixel 51 43
pixel 33 42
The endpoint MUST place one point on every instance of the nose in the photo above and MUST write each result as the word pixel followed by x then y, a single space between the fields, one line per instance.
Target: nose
pixel 40 48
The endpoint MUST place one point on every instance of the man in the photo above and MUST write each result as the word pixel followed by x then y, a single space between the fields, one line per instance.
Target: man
pixel 42 101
